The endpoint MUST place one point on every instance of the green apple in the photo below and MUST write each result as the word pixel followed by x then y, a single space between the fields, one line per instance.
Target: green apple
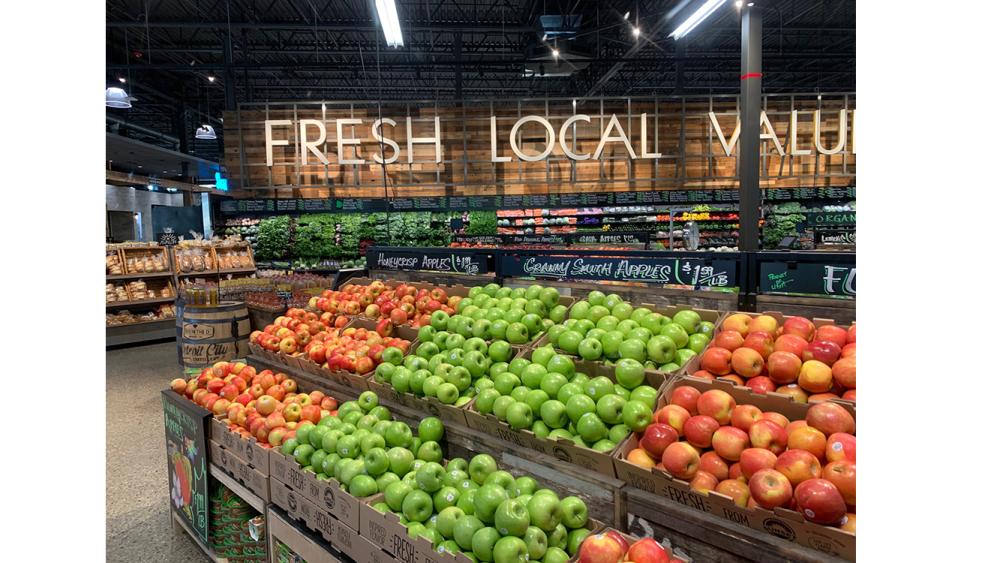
pixel 326 438
pixel 511 518
pixel 501 405
pixel 417 506
pixel 474 365
pixel 542 354
pixel 633 348
pixel 579 310
pixel 589 348
pixel 395 493
pixel 486 399
pixel 401 379
pixel 583 326
pixel 506 382
pixel 517 365
pixel 622 311
pixel 430 451
pixel 553 413
pixel 551 383
pixel 630 373
pixel 596 297
pixel 549 296
pixel 348 446
pixel 431 385
pixel 496 368
pixel 545 511
pixel 676 333
pixel 453 357
pixel 493 314
pixel 441 340
pixel 637 415
pixel 383 373
pixel 597 333
pixel 644 394
pixel 362 486
pixel 355 415
pixel 289 446
pixel 430 477
pixel 598 387
pixel 481 328
pixel 603 446
pixel 652 322
pixel 510 550
pixel 669 367
pixel 638 313
pixel 475 343
pixel 683 355
pixel 578 405
pixel 558 535
pixel 398 435
pixel 499 351
pixel 400 461
pixel 480 467
pixel 517 333
pixel 611 343
pixel 498 329
pixel 569 390
pixel 560 434
pixel 316 460
pixel 392 355
pixel 533 322
pixel 574 512
pixel 467 497
pixel 554 555
pixel 622 392
pixel 591 428
pixel 607 323
pixel 514 314
pixel 609 408
pixel 483 541
pixel 597 312
pixel 537 542
pixel 502 478
pixel 574 539
pixel 557 313
pixel 426 332
pixel 417 380
pixel 697 342
pixel 447 393
pixel 520 415
pixel 688 319
pixel 413 362
pixel 554 332
pixel 520 393
pixel 453 477
pixel 386 479
pixel 627 326
pixel 376 462
pixel 539 429
pixel 661 349
pixel 639 333
pixel 445 497
pixel 561 363
pixel 464 529
pixel 705 327
pixel 447 518
pixel 439 320
pixel 488 498
pixel 532 375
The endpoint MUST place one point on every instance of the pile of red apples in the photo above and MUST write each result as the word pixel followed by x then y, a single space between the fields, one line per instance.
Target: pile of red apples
pixel 797 358
pixel 759 459
pixel 610 546
pixel 266 406
pixel 353 349
pixel 402 305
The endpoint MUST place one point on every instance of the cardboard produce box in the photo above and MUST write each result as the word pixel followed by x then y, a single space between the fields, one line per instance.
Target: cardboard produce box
pixel 239 470
pixel 327 495
pixel 336 534
pixel 674 552
pixel 561 449
pixel 783 523
pixel 249 450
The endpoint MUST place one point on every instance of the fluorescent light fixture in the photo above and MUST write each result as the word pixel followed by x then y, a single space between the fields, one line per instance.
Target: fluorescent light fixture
pixel 739 4
pixel 697 17
pixel 389 19
pixel 625 17
pixel 206 131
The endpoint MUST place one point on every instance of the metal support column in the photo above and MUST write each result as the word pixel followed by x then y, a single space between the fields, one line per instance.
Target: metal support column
pixel 750 77
pixel 458 67
pixel 230 76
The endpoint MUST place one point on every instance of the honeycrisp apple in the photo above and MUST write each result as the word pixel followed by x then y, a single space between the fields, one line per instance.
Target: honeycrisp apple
pixel 820 501
pixel 770 488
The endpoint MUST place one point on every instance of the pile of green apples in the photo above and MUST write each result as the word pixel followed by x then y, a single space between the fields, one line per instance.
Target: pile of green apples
pixel 445 365
pixel 547 396
pixel 604 327
pixel 363 448
pixel 491 312
pixel 474 508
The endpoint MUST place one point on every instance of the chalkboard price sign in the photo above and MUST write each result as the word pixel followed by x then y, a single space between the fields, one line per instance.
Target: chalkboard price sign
pixel 444 261
pixel 695 272
pixel 808 278
pixel 187 467
pixel 167 239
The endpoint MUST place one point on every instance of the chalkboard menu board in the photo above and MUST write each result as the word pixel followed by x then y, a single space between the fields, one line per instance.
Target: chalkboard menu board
pixel 639 237
pixel 426 260
pixel 185 426
pixel 480 203
pixel 808 278
pixel 695 272
pixel 166 239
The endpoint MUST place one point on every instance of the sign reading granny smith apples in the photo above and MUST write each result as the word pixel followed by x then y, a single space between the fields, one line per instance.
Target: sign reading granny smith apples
pixel 184 424
pixel 808 278
pixel 696 272
pixel 444 261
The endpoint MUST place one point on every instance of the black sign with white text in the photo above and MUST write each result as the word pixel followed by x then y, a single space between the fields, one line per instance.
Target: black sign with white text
pixel 696 272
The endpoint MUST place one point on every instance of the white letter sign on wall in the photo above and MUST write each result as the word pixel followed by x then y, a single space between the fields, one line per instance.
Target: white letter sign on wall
pixel 642 140
pixel 435 140
pixel 841 133
pixel 550 138
pixel 347 141
pixel 731 143
pixel 793 132
pixel 269 141
pixel 493 142
pixel 562 137
pixel 621 136
pixel 305 144
pixel 767 133
pixel 377 133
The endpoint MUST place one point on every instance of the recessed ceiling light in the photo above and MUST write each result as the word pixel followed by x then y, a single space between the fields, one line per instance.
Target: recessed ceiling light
pixel 121 79
pixel 555 53
pixel 635 31
pixel 211 78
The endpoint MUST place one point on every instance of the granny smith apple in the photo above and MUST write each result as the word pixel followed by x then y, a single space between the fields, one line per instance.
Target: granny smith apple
pixel 597 312
pixel 476 365
pixel 506 382
pixel 551 383
pixel 558 536
pixel 591 428
pixel 534 399
pixel 698 341
pixel 661 349
pixel 609 408
pixel 622 392
pixel 497 368
pixel 545 511
pixel 588 348
pixel 574 512
pixel 561 434
pixel 578 405
pixel 510 549
pixel 669 367
pixel 537 542
pixel 517 365
pixel 553 413
pixel 555 554
pixel 431 385
pixel 554 332
pixel 499 351
pixel 637 415
pixel 598 387
pixel 514 314
pixel 609 322
pixel 683 355
pixel 652 322
pixel 362 486
pixel 400 380
pixel 418 506
pixel 289 446
pixel 480 467
pixel 557 313
pixel 561 363
pixel 511 518
pixel 603 446
pixel 633 348
pixel 481 328
pixel 483 542
pixel 348 446
pixel 376 462
pixel 532 375
pixel 622 311
pixel 426 332
pixel 517 333
pixel 568 390
pixel 498 329
pixel 316 460
pixel 630 373
pixel 446 520
pixel 688 319
pixel 445 497
pixel 500 406
pixel 583 326
pixel 488 498
pixel 539 429
pixel 417 380
pixel 448 392
pixel 611 343
pixel 519 415
pixel 439 320
pixel 644 394
pixel 475 343
pixel 705 327
pixel 549 296
pixel 579 310
pixel 414 362
pixel 575 539
pixel 520 393
pixel 486 399
pixel 398 435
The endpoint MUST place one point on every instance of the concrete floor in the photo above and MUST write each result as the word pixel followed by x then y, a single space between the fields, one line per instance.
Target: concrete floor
pixel 138 516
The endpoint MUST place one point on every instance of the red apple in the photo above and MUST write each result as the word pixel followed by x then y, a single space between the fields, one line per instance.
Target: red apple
pixel 704 481
pixel 266 404
pixel 647 550
pixel 674 415
pixel 328 404
pixel 768 435
pixel 791 343
pixel 179 386
pixel 783 366
pixel 729 442
pixel 761 384
pixel 728 339
pixel 641 458
pixel 823 351
pixel 747 362
pixel 764 323
pixel 622 542
pixel 844 372
pixel 745 415
pixel 799 326
pixel 717 404
pixel 276 436
pixel 311 413
pixel 770 489
pixel 775 417
pixel 793 391
pixel 713 464
pixel 736 472
pixel 740 322
pixel 820 501
pixel 830 418
pixel 832 333
pixel 760 342
pixel 699 429
pixel 703 374
pixel 716 360
pixel 753 460
pixel 734 489
pixel 798 466
pixel 656 438
pixel 600 548
pixel 841 446
pixel 687 397
pixel 681 460
pixel 807 438
pixel 843 474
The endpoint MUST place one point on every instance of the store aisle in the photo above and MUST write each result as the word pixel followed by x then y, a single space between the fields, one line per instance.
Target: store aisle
pixel 138 518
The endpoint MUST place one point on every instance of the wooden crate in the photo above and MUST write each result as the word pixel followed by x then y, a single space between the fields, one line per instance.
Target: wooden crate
pixel 224 260
pixel 131 256
pixel 185 263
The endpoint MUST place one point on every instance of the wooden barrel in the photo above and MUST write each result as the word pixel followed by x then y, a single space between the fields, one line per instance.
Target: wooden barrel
pixel 214 333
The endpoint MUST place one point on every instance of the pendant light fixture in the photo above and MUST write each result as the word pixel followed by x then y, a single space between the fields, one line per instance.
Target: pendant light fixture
pixel 206 132
pixel 118 98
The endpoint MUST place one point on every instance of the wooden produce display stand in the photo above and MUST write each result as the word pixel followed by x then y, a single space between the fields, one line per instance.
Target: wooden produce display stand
pixel 139 282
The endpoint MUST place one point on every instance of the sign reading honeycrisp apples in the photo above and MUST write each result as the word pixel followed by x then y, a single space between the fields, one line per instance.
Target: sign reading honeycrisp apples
pixel 695 272
pixel 401 260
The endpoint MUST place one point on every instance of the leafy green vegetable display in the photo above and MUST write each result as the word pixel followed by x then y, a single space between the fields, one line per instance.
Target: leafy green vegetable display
pixel 314 236
pixel 782 222
pixel 482 223
pixel 273 237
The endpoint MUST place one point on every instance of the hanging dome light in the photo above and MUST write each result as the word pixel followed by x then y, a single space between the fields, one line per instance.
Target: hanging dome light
pixel 206 131
pixel 117 98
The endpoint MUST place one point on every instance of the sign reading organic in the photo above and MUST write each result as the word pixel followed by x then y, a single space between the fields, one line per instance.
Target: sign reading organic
pixel 443 261
pixel 808 278
pixel 184 424
pixel 694 272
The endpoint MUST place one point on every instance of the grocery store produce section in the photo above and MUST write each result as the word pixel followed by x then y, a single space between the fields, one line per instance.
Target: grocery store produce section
pixel 390 419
